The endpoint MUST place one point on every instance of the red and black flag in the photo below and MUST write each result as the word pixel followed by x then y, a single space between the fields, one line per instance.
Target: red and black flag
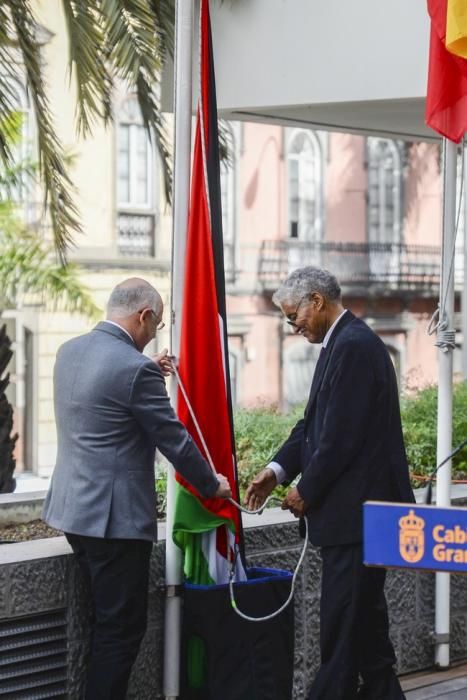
pixel 199 524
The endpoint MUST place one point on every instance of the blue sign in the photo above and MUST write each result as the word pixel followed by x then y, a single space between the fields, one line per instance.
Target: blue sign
pixel 408 536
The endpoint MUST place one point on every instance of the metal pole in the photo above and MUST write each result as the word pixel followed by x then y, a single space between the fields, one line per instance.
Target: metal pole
pixel 180 202
pixel 445 381
pixel 464 286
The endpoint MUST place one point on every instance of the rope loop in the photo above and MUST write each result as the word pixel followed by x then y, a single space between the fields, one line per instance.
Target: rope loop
pixel 446 340
pixel 434 322
pixel 242 509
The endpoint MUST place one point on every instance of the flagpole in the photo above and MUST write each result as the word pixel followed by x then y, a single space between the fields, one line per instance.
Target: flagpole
pixel 464 278
pixel 180 203
pixel 446 338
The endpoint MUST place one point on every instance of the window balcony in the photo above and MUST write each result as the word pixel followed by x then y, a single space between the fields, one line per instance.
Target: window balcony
pixel 367 269
pixel 136 234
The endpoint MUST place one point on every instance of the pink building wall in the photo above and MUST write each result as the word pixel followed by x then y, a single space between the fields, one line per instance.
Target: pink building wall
pixel 255 326
pixel 345 189
pixel 423 202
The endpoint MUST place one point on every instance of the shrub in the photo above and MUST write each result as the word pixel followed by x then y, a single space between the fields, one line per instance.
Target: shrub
pixel 419 420
pixel 259 432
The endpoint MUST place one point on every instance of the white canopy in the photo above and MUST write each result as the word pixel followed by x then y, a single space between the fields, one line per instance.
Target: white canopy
pixel 345 66
pixel 335 65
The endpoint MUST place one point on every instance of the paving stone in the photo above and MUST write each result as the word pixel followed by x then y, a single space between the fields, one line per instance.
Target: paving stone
pixel 4 591
pixel 426 595
pixel 157 568
pixel 146 676
pixel 455 689
pixel 271 538
pixel 79 604
pixel 415 648
pixel 401 596
pixel 78 654
pixel 458 592
pixel 458 645
pixel 38 585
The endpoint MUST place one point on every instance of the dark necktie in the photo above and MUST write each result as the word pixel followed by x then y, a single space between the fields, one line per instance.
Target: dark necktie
pixel 319 369
pixel 317 376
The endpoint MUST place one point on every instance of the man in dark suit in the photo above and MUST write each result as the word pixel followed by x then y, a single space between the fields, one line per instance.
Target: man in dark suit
pixel 347 449
pixel 112 411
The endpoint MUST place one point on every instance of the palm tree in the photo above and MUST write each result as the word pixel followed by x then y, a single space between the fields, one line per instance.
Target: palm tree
pixel 28 273
pixel 7 440
pixel 109 40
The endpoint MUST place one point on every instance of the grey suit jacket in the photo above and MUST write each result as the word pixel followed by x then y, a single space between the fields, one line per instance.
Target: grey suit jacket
pixel 112 411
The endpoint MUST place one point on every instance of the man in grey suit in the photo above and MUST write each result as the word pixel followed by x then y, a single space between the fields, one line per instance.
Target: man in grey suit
pixel 112 411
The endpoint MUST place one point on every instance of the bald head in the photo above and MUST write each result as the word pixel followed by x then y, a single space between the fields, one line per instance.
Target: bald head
pixel 133 295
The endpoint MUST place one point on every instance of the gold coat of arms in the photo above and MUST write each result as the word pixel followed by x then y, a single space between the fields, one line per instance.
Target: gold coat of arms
pixel 411 537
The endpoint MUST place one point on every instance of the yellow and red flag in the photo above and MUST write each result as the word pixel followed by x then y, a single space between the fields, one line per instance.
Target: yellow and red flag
pixel 446 102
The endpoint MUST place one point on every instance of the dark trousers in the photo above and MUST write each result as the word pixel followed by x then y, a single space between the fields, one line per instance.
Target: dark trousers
pixel 354 631
pixel 117 572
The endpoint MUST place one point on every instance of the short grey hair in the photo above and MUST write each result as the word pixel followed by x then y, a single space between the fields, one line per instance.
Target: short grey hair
pixel 125 301
pixel 307 280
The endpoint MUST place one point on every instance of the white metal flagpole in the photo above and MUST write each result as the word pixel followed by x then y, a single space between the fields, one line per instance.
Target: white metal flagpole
pixel 464 277
pixel 180 203
pixel 446 344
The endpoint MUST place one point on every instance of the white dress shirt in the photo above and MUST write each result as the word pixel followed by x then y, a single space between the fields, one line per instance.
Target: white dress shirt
pixel 121 328
pixel 275 466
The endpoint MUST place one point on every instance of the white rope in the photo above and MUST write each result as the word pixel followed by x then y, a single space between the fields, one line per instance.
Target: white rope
pixel 258 511
pixel 277 612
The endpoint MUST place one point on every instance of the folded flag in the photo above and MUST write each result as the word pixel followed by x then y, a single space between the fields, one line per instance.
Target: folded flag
pixel 456 28
pixel 446 102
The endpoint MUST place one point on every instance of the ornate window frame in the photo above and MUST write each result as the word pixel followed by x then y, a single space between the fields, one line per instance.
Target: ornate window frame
pixel 384 161
pixel 307 163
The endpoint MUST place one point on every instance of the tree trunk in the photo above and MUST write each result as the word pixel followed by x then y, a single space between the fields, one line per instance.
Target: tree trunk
pixel 7 441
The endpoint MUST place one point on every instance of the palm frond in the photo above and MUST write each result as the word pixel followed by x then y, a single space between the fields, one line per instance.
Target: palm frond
pixel 57 183
pixel 8 107
pixel 151 113
pixel 14 173
pixel 130 30
pixel 164 14
pixel 29 273
pixel 226 143
pixel 87 62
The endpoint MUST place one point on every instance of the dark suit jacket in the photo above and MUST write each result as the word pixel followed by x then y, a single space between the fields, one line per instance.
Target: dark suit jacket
pixel 349 446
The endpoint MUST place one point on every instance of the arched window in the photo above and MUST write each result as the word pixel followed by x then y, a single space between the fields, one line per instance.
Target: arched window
pixel 304 178
pixel 135 182
pixel 384 191
pixel 228 172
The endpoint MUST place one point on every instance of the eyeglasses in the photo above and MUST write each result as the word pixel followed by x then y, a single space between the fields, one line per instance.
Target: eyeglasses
pixel 291 318
pixel 160 325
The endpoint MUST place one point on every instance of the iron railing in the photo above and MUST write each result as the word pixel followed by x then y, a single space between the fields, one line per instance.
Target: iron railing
pixel 368 268
pixel 135 234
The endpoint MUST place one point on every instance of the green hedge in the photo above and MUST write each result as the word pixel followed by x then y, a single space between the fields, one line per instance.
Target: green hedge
pixel 419 420
pixel 260 432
